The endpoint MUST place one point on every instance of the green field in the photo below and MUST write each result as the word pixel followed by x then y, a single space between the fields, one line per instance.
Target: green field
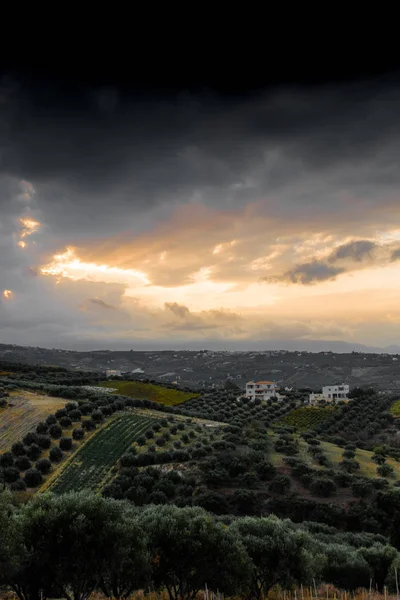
pixel 149 391
pixel 88 467
pixel 395 409
pixel 306 417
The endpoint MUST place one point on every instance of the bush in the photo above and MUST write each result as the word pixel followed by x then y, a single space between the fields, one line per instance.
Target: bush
pixel 75 415
pixel 55 454
pixel 97 416
pixel 89 425
pixel 78 433
pixel 10 474
pixel 51 420
pixel 29 439
pixel 350 466
pixel 23 463
pixel 280 484
pixel 6 459
pixel 323 487
pixel 65 422
pixel 149 434
pixel 42 428
pixel 66 443
pixel 43 465
pixel 18 486
pixel 34 452
pixel 61 412
pixel 18 449
pixel 55 431
pixel 385 470
pixel 44 441
pixel 33 478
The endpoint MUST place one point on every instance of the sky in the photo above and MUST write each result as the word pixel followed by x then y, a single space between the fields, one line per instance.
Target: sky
pixel 144 216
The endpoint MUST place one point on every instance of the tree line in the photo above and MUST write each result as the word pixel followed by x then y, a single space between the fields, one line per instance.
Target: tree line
pixel 71 545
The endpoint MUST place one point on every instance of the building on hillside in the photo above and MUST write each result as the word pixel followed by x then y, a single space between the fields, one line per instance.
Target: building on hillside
pixel 335 392
pixel 315 398
pixel 260 389
pixel 331 393
pixel 113 373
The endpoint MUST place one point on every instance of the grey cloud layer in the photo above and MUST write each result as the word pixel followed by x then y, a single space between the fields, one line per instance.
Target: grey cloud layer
pixel 105 165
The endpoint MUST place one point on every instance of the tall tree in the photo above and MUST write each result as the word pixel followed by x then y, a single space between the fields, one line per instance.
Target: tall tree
pixel 189 549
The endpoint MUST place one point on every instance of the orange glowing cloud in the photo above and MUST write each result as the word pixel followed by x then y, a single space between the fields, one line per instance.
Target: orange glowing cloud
pixel 8 295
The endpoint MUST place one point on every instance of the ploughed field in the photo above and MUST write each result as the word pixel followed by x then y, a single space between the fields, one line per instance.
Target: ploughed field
pixel 22 414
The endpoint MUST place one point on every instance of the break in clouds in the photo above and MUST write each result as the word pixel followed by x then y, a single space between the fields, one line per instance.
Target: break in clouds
pixel 199 218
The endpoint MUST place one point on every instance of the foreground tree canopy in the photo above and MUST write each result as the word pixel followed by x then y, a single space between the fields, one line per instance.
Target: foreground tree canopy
pixel 69 546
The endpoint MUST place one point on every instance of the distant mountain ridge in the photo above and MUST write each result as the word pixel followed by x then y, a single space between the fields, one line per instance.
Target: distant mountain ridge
pixel 296 345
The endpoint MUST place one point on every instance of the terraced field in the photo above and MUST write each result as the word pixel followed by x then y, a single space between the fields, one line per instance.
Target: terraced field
pixel 149 391
pixel 26 411
pixel 89 466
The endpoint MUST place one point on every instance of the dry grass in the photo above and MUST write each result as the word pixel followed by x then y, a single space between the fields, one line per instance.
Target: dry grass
pixel 334 454
pixel 25 411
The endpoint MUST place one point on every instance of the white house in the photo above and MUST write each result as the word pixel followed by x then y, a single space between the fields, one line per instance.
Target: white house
pixel 260 389
pixel 315 398
pixel 335 392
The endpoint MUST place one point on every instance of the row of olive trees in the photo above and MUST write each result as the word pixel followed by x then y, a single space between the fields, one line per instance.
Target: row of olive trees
pixel 69 546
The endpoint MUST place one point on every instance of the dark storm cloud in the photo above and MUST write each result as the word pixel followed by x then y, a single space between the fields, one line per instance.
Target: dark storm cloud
pixel 100 158
pixel 356 250
pixel 307 273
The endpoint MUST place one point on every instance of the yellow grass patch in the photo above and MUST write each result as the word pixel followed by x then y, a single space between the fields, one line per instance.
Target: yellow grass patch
pixel 25 411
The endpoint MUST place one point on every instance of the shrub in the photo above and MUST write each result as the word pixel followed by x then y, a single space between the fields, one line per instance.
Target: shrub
pixel 350 466
pixel 66 443
pixel 23 463
pixel 43 465
pixel 349 453
pixel 322 486
pixel 97 416
pixel 280 484
pixel 6 459
pixel 55 431
pixel 29 439
pixel 141 440
pixel 75 415
pixel 18 449
pixel 89 425
pixel 18 486
pixel 65 422
pixel 34 452
pixel 10 474
pixel 42 428
pixel 61 412
pixel 78 433
pixel 55 454
pixel 160 441
pixel 33 478
pixel 44 441
pixel 385 470
pixel 149 434
pixel 51 420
